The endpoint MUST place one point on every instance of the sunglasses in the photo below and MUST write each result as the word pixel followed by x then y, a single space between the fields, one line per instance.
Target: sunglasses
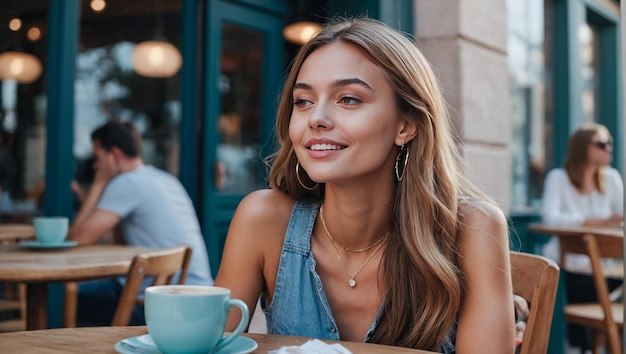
pixel 602 145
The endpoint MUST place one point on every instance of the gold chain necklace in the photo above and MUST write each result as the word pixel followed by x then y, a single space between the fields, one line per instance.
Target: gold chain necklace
pixel 353 250
pixel 352 280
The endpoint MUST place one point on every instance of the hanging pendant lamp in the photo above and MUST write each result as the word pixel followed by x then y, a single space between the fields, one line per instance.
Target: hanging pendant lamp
pixel 20 66
pixel 301 32
pixel 156 58
pixel 301 26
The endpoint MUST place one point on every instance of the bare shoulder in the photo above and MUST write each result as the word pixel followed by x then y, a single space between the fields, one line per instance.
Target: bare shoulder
pixel 479 213
pixel 265 207
pixel 482 222
pixel 263 212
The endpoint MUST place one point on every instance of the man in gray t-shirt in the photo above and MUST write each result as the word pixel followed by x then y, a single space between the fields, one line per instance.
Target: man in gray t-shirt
pixel 151 208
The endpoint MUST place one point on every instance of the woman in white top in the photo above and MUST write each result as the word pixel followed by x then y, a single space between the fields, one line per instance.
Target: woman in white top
pixel 588 192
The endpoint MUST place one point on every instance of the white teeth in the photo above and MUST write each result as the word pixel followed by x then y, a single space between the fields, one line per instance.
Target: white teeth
pixel 319 147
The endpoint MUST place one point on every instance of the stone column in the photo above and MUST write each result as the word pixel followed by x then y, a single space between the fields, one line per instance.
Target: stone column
pixel 465 40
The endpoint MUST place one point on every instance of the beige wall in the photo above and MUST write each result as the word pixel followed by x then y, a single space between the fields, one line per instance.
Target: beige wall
pixel 465 40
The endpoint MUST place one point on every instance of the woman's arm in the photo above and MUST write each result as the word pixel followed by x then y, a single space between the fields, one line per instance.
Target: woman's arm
pixel 486 319
pixel 254 239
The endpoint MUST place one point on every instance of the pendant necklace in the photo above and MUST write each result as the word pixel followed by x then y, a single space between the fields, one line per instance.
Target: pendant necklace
pixel 353 250
pixel 352 280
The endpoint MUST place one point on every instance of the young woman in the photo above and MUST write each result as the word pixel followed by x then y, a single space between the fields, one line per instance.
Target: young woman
pixel 588 192
pixel 370 231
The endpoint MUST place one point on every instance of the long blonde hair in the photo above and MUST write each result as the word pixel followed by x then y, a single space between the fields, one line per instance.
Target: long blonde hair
pixel 422 283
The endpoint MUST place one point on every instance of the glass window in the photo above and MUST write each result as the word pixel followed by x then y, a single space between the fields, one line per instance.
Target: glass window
pixel 528 103
pixel 23 38
pixel 239 123
pixel 589 71
pixel 118 77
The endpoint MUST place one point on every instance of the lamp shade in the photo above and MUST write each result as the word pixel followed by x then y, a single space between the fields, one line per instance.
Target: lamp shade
pixel 156 59
pixel 301 32
pixel 19 66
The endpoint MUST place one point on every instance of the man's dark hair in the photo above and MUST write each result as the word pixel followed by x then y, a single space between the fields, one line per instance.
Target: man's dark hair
pixel 122 135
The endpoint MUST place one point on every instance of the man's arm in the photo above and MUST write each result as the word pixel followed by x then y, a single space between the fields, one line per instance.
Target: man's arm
pixel 91 224
pixel 118 237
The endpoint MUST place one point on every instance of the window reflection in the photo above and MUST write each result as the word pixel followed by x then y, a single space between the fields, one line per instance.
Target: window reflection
pixel 108 86
pixel 587 37
pixel 238 161
pixel 527 88
pixel 23 28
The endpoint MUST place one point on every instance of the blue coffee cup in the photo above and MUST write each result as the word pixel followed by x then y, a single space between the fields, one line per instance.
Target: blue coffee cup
pixel 50 230
pixel 191 318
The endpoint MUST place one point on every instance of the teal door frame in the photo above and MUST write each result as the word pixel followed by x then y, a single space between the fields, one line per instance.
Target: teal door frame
pixel 190 97
pixel 63 22
pixel 568 16
pixel 264 16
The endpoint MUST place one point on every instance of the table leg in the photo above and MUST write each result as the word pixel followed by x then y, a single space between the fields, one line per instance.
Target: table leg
pixel 36 306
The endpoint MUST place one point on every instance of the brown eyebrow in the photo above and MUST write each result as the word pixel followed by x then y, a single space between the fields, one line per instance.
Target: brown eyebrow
pixel 351 81
pixel 300 85
pixel 335 84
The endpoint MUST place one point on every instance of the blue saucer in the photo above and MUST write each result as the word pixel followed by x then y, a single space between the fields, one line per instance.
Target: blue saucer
pixel 39 245
pixel 144 344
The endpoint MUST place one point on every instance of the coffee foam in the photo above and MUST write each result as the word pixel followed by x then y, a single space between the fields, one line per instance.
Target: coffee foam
pixel 188 290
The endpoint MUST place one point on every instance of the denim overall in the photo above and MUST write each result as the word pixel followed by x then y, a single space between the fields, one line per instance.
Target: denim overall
pixel 300 306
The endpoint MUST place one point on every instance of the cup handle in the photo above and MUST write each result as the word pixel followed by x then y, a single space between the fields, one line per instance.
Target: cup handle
pixel 240 328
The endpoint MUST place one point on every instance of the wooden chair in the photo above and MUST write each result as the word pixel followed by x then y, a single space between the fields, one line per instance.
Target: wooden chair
pixel 605 317
pixel 162 265
pixel 535 278
pixel 15 293
pixel 15 301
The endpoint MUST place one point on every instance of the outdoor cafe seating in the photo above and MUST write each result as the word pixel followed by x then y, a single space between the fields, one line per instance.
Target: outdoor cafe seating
pixel 162 265
pixel 535 278
pixel 606 317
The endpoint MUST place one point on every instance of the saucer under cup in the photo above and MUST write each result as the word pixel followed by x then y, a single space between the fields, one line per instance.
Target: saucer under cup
pixel 50 230
pixel 190 318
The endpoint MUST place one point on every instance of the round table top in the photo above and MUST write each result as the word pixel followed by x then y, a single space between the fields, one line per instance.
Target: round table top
pixel 14 232
pixel 576 230
pixel 20 264
pixel 103 339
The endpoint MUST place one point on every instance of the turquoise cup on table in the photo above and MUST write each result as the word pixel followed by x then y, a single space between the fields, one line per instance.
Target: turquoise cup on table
pixel 191 318
pixel 50 230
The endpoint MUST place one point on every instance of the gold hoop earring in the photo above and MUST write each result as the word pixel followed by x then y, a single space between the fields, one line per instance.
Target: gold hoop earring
pixel 300 181
pixel 400 176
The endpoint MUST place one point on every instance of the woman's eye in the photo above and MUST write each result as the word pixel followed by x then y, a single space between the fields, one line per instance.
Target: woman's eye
pixel 301 102
pixel 349 100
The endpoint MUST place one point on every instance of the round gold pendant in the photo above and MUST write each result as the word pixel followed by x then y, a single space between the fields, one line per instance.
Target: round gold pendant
pixel 352 282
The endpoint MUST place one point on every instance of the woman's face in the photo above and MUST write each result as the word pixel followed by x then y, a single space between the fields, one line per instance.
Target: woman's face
pixel 344 121
pixel 600 149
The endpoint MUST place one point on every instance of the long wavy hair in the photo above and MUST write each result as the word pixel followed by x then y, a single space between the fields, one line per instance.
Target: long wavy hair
pixel 577 157
pixel 420 277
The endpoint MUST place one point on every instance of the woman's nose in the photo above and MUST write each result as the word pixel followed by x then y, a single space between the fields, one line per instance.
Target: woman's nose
pixel 320 117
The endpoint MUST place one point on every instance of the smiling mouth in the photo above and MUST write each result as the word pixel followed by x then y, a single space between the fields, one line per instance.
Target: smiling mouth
pixel 324 147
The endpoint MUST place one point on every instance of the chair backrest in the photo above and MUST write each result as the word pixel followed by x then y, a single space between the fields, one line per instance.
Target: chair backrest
pixel 597 247
pixel 535 278
pixel 162 265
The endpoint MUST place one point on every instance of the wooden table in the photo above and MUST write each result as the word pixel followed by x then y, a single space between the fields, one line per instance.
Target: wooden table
pixel 16 232
pixel 575 230
pixel 37 268
pixel 103 339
